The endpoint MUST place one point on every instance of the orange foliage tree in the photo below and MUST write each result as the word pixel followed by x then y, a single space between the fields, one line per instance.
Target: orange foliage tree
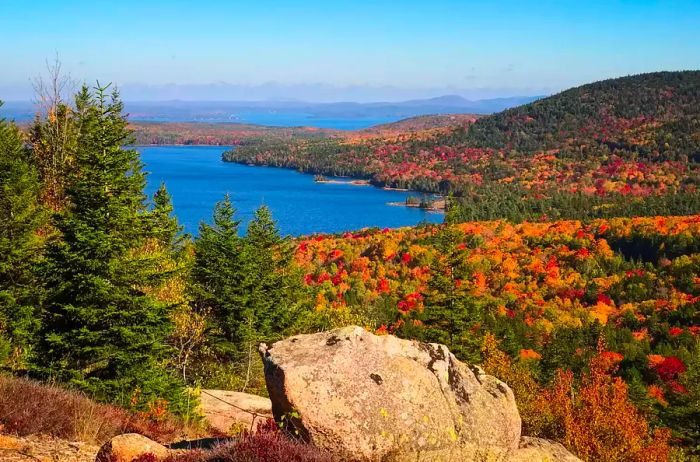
pixel 596 420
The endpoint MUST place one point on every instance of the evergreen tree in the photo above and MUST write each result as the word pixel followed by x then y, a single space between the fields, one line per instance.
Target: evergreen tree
pixel 103 332
pixel 20 218
pixel 245 283
pixel 270 282
pixel 217 275
pixel 166 246
pixel 165 225
pixel 683 414
pixel 451 315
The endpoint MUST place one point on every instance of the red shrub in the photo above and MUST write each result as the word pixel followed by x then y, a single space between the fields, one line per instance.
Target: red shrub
pixel 669 368
pixel 267 445
pixel 28 407
pixel 146 458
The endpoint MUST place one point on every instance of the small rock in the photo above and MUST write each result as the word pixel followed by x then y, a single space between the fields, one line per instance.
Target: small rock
pixel 541 450
pixel 127 447
pixel 10 442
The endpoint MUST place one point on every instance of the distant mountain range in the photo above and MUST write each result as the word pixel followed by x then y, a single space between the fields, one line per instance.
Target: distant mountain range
pixel 279 112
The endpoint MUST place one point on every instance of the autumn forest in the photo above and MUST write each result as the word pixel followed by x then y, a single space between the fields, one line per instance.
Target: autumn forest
pixel 568 265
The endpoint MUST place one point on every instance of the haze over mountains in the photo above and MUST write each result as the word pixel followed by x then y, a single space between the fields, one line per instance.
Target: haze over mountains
pixel 268 111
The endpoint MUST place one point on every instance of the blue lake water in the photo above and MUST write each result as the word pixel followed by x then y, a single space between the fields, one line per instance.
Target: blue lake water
pixel 282 119
pixel 197 178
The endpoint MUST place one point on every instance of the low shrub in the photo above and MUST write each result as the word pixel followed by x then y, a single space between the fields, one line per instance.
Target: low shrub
pixel 269 444
pixel 28 407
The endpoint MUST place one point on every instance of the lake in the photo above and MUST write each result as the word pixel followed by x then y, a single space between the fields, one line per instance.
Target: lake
pixel 197 178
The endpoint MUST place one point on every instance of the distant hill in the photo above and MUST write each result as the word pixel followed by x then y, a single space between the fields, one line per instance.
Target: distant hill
pixel 290 113
pixel 652 114
pixel 636 135
pixel 420 123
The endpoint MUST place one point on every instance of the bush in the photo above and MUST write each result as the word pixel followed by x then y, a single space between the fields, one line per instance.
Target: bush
pixel 269 444
pixel 28 407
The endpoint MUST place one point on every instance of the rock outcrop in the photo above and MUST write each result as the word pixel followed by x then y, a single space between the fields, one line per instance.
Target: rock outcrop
pixel 44 448
pixel 232 411
pixel 130 446
pixel 370 398
pixel 540 450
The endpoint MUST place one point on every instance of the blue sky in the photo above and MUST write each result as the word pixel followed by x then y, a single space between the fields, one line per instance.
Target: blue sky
pixel 475 48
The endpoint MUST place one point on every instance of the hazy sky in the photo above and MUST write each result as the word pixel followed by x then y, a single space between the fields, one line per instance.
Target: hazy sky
pixel 393 48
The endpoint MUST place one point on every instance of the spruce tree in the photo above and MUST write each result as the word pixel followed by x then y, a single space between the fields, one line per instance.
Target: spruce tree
pixel 269 279
pixel 451 315
pixel 268 286
pixel 103 332
pixel 167 247
pixel 165 226
pixel 20 247
pixel 217 275
pixel 683 414
pixel 245 283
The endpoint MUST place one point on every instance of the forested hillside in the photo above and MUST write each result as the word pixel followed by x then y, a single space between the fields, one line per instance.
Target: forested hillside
pixel 616 141
pixel 651 115
pixel 578 317
pixel 217 134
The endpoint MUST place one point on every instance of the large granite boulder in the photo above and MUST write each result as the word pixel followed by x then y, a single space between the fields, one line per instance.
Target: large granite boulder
pixel 380 398
pixel 232 411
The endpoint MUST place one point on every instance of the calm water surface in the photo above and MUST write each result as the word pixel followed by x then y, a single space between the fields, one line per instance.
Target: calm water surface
pixel 197 178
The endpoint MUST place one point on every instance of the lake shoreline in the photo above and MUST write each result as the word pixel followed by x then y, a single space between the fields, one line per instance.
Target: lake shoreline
pixel 161 145
pixel 439 205
pixel 197 178
pixel 350 182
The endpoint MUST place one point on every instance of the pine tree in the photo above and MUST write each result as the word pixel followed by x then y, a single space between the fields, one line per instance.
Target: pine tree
pixel 103 332
pixel 20 247
pixel 270 283
pixel 166 247
pixel 245 283
pixel 165 225
pixel 683 414
pixel 451 315
pixel 217 275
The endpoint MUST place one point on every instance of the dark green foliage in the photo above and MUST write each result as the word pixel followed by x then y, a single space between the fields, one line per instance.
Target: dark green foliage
pixel 495 201
pixel 570 348
pixel 217 271
pixel 590 112
pixel 270 282
pixel 169 251
pixel 165 226
pixel 451 316
pixel 244 281
pixel 102 332
pixel 20 246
